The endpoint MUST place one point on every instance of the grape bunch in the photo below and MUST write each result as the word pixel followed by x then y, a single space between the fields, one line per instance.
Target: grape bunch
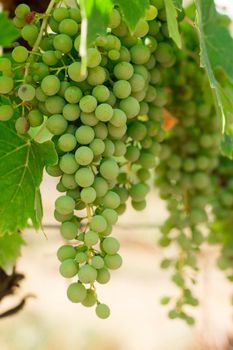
pixel 184 175
pixel 106 121
pixel 221 225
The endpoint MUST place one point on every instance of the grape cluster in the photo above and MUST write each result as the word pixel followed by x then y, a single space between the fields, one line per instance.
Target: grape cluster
pixel 221 225
pixel 184 175
pixel 105 119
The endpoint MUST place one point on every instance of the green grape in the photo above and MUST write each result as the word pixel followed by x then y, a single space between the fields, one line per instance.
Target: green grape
pixel 68 268
pixel 113 262
pixel 75 73
pixel 139 205
pixel 140 54
pixel 104 112
pixel 151 13
pixel 65 205
pixel 5 64
pixel 63 43
pixel 68 164
pixel 98 223
pixel 76 292
pixel 30 32
pixel 88 119
pixel 71 112
pixel 97 146
pixel 75 14
pixel 18 22
pixel 91 238
pixel 110 245
pixel 61 217
pixel 120 148
pixel 138 191
pixel 101 131
pixel 73 94
pixel 66 252
pixel 93 57
pixel 90 299
pixel 54 104
pixel 132 153
pixel 137 82
pixel 137 130
pixel 88 195
pixel 143 174
pixel 164 53
pixel 141 28
pixel 68 230
pixel 60 13
pixel 35 118
pixel 20 54
pixel 101 186
pixel 102 311
pixel 85 134
pixel 109 169
pixel 68 26
pixel 56 124
pixel 130 106
pixel 122 89
pixel 117 133
pixel 84 155
pixel 6 84
pixel 88 104
pixel 147 160
pixel 69 181
pixel 84 177
pixel 110 215
pixel 119 118
pixel 111 200
pixel 109 148
pixel 67 142
pixel 40 96
pixel 201 180
pixel 96 76
pixel 54 25
pixel 115 19
pixel 123 71
pixel 22 125
pixel 50 85
pixel 22 10
pixel 81 257
pixel 87 274
pixel 114 55
pixel 54 170
pixel 6 112
pixel 103 276
pixel 155 76
pixel 101 93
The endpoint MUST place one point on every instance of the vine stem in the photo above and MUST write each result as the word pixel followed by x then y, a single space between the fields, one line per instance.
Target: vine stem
pixel 38 40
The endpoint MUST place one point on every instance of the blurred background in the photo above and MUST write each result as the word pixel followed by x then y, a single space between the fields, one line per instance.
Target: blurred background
pixel 138 321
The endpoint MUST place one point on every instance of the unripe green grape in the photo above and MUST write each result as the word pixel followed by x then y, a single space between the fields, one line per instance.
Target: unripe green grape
pixel 68 268
pixel 104 112
pixel 101 131
pixel 20 54
pixel 130 106
pixel 137 82
pixel 115 19
pixel 61 217
pixel 6 112
pixel 90 299
pixel 65 205
pixel 84 177
pixel 69 230
pixel 101 186
pixel 102 311
pixel 101 93
pixel 68 164
pixel 22 10
pixel 139 205
pixel 110 245
pixel 139 191
pixel 75 14
pixel 111 200
pixel 67 142
pixel 141 28
pixel 110 215
pixel 93 57
pixel 54 25
pixel 71 112
pixel 66 252
pixel 103 276
pixel 76 292
pixel 18 22
pixel 120 148
pixel 81 257
pixel 85 134
pixel 63 43
pixel 73 94
pixel 54 170
pixel 35 118
pixel 147 160
pixel 6 84
pixel 68 26
pixel 137 130
pixel 22 125
pixel 201 180
pixel 119 118
pixel 30 32
pixel 56 124
pixel 97 146
pixel 54 104
pixel 88 195
pixel 143 174
pixel 109 169
pixel 60 13
pixel 164 53
pixel 40 96
pixel 114 55
pixel 140 54
pixel 69 181
pixel 88 119
pixel 50 85
pixel 5 64
pixel 88 104
pixel 117 133
pixel 84 155
pixel 87 274
pixel 132 153
pixel 91 238
pixel 151 13
pixel 96 76
pixel 109 148
pixel 113 262
pixel 98 223
pixel 75 73
pixel 122 89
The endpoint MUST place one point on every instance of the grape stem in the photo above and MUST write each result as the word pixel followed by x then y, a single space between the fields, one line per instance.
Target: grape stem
pixel 38 40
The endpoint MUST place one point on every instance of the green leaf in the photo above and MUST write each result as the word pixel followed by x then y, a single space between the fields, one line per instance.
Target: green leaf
pixel 132 10
pixel 172 22
pixel 10 246
pixel 216 46
pixel 227 146
pixel 95 16
pixel 178 4
pixel 8 32
pixel 22 161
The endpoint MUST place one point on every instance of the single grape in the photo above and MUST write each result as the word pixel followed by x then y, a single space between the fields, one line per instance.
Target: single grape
pixel 140 54
pixel 90 299
pixel 93 57
pixel 104 112
pixel 113 262
pixel 103 276
pixel 97 262
pixel 73 94
pixel 91 238
pixel 65 205
pixel 110 215
pixel 50 85
pixel 35 118
pixel 122 89
pixel 71 112
pixel 87 274
pixel 6 84
pixel 98 223
pixel 96 76
pixel 29 33
pixel 111 200
pixel 130 106
pixel 68 26
pixel 56 124
pixel 68 268
pixel 20 54
pixel 75 73
pixel 6 112
pixel 97 146
pixel 22 125
pixel 88 195
pixel 81 257
pixel 84 155
pixel 109 169
pixel 88 119
pixel 22 10
pixel 85 134
pixel 101 186
pixel 76 292
pixel 60 13
pixel 84 177
pixel 63 43
pixel 66 252
pixel 88 104
pixel 68 230
pixel 110 245
pixel 68 164
pixel 102 311
pixel 67 142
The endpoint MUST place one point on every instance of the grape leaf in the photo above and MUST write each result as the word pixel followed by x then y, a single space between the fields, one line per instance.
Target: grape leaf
pixel 10 246
pixel 21 166
pixel 216 46
pixel 8 32
pixel 172 22
pixel 178 4
pixel 132 11
pixel 95 16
